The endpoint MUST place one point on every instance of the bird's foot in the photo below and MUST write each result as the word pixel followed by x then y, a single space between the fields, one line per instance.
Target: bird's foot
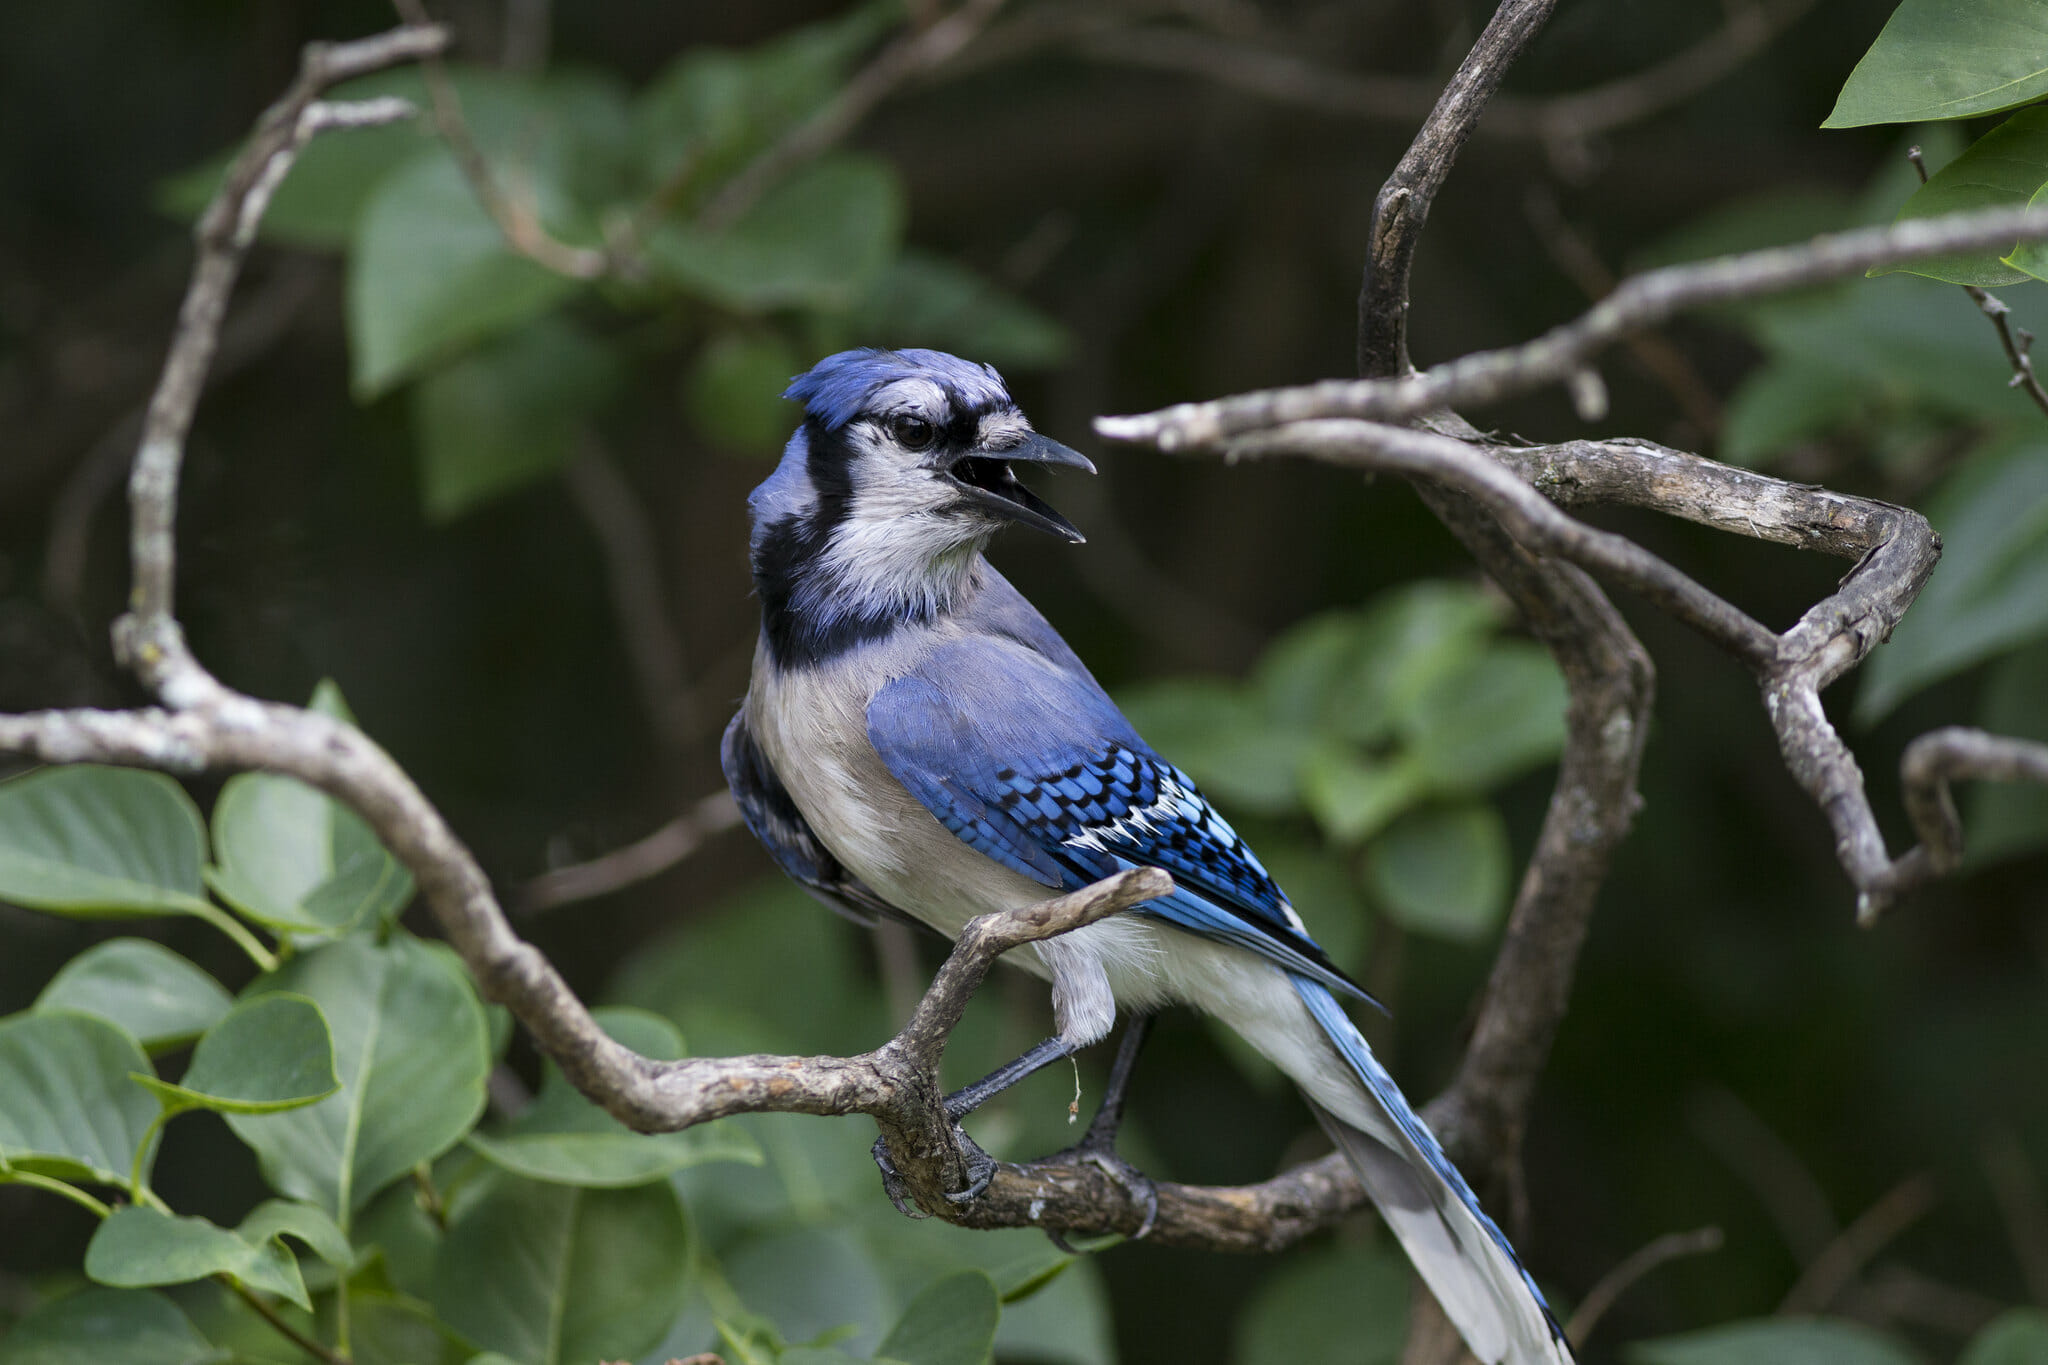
pixel 892 1181
pixel 1098 1149
pixel 979 1165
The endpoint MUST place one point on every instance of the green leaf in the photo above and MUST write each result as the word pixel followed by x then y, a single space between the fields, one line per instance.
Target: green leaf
pixel 2002 169
pixel 709 111
pixel 551 1273
pixel 269 1054
pixel 816 240
pixel 107 1327
pixel 312 1226
pixel 1990 591
pixel 565 1139
pixel 1937 59
pixel 734 391
pixel 922 299
pixel 136 1247
pixel 507 413
pixel 1225 740
pixel 2018 1336
pixel 296 860
pixel 953 1322
pixel 2004 819
pixel 92 841
pixel 1443 871
pixel 1485 723
pixel 1782 403
pixel 430 274
pixel 1340 1303
pixel 1775 1341
pixel 2031 257
pixel 161 998
pixel 70 1109
pixel 1353 797
pixel 411 1052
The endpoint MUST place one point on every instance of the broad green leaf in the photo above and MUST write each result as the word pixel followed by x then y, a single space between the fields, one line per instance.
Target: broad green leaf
pixel 136 1247
pixel 70 1110
pixel 107 1327
pixel 816 240
pixel 1775 1341
pixel 2018 1336
pixel 1990 591
pixel 269 1053
pixel 1782 403
pixel 734 391
pixel 1353 797
pixel 2002 819
pixel 1225 740
pixel 922 299
pixel 1339 1303
pixel 712 109
pixel 565 1139
pixel 1904 340
pixel 507 413
pixel 2001 170
pixel 392 1329
pixel 92 841
pixel 296 860
pixel 158 996
pixel 312 1226
pixel 430 274
pixel 953 1322
pixel 810 1281
pixel 825 1355
pixel 554 1275
pixel 1937 59
pixel 2031 257
pixel 1443 870
pixel 411 1052
pixel 1490 721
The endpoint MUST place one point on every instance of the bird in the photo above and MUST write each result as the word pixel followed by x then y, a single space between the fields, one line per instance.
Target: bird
pixel 918 742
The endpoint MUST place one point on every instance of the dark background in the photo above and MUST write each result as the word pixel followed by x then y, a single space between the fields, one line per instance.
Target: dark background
pixel 1728 1018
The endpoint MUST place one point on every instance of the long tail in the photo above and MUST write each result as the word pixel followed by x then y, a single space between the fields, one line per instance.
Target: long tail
pixel 1460 1254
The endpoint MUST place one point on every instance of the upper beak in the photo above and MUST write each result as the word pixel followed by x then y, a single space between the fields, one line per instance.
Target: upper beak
pixel 986 477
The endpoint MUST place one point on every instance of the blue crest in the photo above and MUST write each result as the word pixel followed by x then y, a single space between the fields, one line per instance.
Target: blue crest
pixel 836 389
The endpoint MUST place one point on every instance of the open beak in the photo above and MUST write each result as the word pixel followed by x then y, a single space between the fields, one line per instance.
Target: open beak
pixel 987 478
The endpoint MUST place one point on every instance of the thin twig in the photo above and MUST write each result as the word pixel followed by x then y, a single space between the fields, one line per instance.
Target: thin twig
pixel 634 863
pixel 516 215
pixel 2018 346
pixel 2018 1192
pixel 1556 120
pixel 919 51
pixel 632 558
pixel 1610 1287
pixel 1762 1160
pixel 1836 1267
pixel 319 1350
pixel 1402 207
pixel 1640 301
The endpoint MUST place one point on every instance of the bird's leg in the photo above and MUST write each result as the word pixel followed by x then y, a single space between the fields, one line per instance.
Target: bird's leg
pixel 1097 1146
pixel 981 1167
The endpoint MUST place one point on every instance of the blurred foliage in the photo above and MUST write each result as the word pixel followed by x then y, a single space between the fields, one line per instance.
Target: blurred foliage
pixel 375 498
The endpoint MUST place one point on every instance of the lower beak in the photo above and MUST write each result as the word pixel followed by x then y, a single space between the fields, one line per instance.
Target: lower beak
pixel 989 481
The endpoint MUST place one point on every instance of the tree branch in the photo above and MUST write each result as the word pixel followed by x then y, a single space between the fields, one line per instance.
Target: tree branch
pixel 1641 301
pixel 1402 207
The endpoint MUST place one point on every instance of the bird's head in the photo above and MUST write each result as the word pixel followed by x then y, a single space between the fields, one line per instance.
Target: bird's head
pixel 902 470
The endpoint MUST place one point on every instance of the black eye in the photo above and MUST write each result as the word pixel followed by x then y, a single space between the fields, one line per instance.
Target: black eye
pixel 913 433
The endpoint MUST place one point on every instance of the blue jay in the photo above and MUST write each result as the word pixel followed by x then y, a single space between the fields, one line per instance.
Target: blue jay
pixel 918 741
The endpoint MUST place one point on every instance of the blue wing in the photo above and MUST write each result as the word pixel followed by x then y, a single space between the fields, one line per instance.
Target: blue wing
pixel 1025 759
pixel 772 817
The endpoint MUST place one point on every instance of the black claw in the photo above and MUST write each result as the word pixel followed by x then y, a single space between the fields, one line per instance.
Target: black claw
pixel 981 1168
pixel 892 1181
